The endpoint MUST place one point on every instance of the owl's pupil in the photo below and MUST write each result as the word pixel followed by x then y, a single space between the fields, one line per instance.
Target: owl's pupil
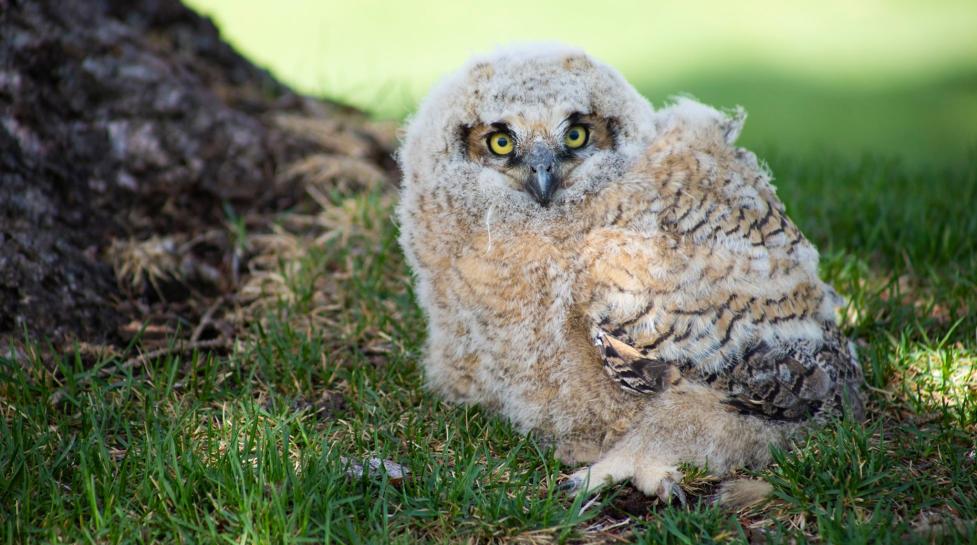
pixel 503 142
pixel 574 135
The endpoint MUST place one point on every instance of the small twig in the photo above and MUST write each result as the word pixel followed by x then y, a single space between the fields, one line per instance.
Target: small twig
pixel 207 236
pixel 178 348
pixel 886 393
pixel 206 319
pixel 590 503
pixel 600 526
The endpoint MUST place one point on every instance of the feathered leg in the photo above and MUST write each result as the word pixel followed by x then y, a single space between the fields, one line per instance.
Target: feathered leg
pixel 685 424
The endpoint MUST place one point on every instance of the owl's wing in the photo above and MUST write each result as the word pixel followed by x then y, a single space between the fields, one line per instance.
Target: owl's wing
pixel 630 369
pixel 792 382
pixel 795 381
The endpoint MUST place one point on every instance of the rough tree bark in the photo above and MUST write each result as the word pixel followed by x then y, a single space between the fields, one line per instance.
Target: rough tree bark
pixel 124 119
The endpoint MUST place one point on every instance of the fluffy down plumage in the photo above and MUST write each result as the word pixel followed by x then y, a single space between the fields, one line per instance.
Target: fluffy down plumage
pixel 660 309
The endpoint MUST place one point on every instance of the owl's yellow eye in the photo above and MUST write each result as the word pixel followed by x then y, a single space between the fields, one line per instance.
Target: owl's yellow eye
pixel 501 143
pixel 576 137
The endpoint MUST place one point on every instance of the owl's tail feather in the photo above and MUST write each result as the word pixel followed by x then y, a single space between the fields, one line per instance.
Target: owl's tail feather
pixel 742 493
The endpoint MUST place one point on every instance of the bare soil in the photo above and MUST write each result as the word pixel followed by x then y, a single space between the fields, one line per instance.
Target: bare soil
pixel 136 148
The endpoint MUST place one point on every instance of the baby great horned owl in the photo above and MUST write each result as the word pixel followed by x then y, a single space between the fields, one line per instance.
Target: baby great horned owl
pixel 620 280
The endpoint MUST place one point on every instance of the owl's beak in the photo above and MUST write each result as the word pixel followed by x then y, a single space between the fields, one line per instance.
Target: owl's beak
pixel 543 179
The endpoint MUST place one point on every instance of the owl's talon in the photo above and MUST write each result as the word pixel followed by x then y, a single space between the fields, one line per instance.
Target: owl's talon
pixel 581 482
pixel 570 485
pixel 672 489
pixel 611 469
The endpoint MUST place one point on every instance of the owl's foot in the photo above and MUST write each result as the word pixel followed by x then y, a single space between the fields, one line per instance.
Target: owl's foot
pixel 661 481
pixel 652 479
pixel 609 470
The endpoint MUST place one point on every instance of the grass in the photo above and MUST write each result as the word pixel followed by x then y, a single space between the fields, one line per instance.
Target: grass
pixel 251 446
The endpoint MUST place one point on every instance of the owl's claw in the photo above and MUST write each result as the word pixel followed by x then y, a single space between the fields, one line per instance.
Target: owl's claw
pixel 571 485
pixel 613 468
pixel 583 482
pixel 669 489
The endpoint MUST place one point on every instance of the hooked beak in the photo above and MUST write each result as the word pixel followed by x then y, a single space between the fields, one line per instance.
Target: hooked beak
pixel 543 179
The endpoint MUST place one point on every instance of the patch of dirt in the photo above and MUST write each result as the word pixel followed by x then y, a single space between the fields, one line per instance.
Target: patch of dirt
pixel 323 407
pixel 139 155
pixel 631 502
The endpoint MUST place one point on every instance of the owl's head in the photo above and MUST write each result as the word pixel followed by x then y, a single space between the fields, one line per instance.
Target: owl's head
pixel 525 131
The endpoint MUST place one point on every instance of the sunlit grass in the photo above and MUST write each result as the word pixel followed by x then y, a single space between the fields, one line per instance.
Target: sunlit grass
pixel 941 377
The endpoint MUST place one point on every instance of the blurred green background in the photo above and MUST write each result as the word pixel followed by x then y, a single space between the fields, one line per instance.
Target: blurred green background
pixel 841 78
